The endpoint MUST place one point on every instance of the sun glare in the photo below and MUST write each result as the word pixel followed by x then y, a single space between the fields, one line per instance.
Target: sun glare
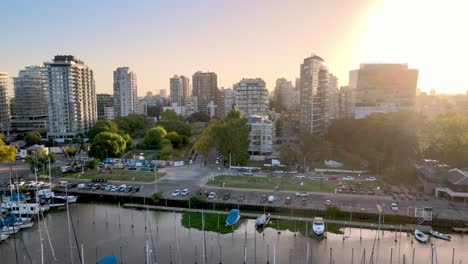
pixel 419 33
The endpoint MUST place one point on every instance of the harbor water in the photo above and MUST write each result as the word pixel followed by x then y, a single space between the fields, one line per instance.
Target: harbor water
pixel 135 236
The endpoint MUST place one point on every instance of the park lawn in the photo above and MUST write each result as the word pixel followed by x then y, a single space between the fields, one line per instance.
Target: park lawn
pixel 128 175
pixel 213 222
pixel 268 183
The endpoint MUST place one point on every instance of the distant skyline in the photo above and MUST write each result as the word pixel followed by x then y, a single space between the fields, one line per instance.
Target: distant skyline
pixel 238 39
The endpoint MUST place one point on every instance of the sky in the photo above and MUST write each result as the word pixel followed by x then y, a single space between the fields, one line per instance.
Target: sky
pixel 238 39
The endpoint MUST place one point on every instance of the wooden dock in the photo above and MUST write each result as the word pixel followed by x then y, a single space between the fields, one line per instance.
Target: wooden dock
pixel 405 228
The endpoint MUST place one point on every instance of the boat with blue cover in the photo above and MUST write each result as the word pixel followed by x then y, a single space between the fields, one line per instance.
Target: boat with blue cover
pixel 233 217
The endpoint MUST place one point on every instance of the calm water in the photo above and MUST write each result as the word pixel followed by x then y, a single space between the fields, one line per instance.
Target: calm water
pixel 172 242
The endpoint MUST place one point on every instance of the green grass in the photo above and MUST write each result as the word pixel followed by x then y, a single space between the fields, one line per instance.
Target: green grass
pixel 268 183
pixel 213 222
pixel 137 176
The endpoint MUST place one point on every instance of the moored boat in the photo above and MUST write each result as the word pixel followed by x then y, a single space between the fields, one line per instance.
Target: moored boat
pixel 262 220
pixel 318 226
pixel 420 236
pixel 233 217
pixel 3 237
pixel 440 235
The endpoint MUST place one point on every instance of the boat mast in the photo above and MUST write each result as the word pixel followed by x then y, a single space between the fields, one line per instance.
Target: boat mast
pixel 38 206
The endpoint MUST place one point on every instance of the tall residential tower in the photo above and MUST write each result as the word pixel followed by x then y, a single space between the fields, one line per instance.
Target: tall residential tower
pixel 71 97
pixel 4 104
pixel 125 92
pixel 30 108
pixel 314 96
pixel 205 89
pixel 179 90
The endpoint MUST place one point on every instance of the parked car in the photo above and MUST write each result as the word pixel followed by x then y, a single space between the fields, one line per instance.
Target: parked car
pixel 136 189
pixel 212 195
pixel 327 203
pixel 175 193
pixel 227 196
pixel 301 194
pixel 241 197
pixel 263 199
pixel 185 192
pixel 371 179
pixel 394 207
pixel 293 172
pixel 247 173
pixel 287 200
pixel 300 176
pixel 81 186
pixel 122 188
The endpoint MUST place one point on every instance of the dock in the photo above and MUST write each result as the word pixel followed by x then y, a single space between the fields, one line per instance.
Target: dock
pixel 460 229
pixel 405 228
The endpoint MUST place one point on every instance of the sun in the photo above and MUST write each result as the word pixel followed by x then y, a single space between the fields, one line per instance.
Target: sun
pixel 428 35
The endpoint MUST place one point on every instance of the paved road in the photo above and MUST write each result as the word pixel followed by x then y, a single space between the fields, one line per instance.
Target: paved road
pixel 194 177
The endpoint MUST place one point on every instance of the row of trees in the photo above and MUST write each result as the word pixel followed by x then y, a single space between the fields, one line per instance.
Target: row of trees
pixel 230 135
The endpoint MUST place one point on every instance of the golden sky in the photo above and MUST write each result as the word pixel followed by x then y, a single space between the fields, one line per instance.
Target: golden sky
pixel 239 39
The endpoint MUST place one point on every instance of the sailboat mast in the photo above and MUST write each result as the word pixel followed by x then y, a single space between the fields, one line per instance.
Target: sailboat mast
pixel 38 206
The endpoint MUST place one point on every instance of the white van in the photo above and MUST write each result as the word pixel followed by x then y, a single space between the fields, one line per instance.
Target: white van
pixel 81 186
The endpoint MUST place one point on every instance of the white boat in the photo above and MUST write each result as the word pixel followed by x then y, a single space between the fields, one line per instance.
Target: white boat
pixel 318 226
pixel 3 237
pixel 9 230
pixel 440 235
pixel 262 220
pixel 49 194
pixel 420 236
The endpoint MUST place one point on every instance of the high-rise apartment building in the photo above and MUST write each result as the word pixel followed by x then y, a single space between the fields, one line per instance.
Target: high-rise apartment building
pixel 71 97
pixel 383 88
pixel 205 89
pixel 261 135
pixel 227 101
pixel 163 93
pixel 314 96
pixel 30 107
pixel 105 106
pixel 285 93
pixel 125 92
pixel 252 97
pixel 4 104
pixel 179 90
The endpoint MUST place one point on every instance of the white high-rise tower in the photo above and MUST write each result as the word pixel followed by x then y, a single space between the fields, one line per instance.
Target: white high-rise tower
pixel 125 92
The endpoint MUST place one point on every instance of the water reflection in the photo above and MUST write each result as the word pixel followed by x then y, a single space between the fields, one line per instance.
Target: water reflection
pixel 102 229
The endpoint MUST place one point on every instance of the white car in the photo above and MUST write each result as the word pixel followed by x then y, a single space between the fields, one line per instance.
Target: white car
pixel 394 207
pixel 300 176
pixel 212 195
pixel 348 178
pixel 371 179
pixel 327 203
pixel 302 194
pixel 185 192
pixel 175 193
pixel 293 172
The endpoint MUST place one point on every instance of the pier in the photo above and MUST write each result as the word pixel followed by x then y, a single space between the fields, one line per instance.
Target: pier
pixel 405 228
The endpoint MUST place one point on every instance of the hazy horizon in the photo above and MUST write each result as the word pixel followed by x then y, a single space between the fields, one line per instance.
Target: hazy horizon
pixel 243 39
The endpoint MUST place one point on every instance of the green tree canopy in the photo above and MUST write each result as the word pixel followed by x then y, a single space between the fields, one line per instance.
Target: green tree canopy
pixel 154 136
pixel 71 151
pixel 132 124
pixel 175 139
pixel 7 153
pixel 445 138
pixel 107 144
pixel 32 138
pixel 386 140
pixel 198 117
pixel 102 126
pixel 170 115
pixel 230 135
pixel 40 159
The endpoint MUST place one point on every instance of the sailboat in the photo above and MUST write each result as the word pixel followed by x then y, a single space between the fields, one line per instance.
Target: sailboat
pixel 109 259
pixel 318 226
pixel 420 236
pixel 3 237
pixel 262 220
pixel 233 217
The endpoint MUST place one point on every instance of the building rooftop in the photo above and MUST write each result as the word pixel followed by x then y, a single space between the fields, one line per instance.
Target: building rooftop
pixel 457 177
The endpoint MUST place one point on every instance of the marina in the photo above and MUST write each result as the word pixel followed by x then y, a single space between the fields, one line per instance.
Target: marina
pixel 132 235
